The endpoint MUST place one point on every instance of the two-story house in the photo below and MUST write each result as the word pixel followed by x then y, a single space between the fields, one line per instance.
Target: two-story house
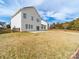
pixel 28 19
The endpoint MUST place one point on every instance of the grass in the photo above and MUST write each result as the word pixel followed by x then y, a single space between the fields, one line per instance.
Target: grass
pixel 46 45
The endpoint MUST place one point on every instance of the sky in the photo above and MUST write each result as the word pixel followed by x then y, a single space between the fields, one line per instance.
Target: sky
pixel 50 10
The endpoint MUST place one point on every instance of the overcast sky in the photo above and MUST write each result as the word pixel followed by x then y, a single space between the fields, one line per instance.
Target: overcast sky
pixel 50 10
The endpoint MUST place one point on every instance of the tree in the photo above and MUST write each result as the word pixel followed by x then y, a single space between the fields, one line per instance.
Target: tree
pixel 8 26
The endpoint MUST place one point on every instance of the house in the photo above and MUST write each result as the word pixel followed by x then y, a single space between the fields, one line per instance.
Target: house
pixel 2 24
pixel 28 19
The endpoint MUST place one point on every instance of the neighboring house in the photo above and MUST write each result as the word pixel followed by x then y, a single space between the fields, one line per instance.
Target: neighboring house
pixel 28 19
pixel 2 24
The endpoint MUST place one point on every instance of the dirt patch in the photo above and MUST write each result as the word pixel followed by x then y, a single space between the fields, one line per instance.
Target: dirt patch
pixel 75 55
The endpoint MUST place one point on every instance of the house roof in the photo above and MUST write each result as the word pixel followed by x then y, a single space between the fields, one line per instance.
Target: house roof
pixel 25 8
pixel 28 7
pixel 0 25
pixel 20 10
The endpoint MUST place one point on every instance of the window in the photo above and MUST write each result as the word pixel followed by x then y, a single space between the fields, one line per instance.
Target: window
pixel 44 27
pixel 31 26
pixel 24 16
pixel 38 28
pixel 32 18
pixel 38 20
pixel 26 26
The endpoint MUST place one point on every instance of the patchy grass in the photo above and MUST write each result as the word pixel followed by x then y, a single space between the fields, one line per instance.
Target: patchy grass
pixel 46 45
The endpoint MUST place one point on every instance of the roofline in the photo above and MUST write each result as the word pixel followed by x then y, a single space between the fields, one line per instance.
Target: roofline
pixel 16 13
pixel 28 7
pixel 21 9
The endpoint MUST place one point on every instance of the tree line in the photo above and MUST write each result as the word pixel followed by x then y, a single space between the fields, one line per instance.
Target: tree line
pixel 73 25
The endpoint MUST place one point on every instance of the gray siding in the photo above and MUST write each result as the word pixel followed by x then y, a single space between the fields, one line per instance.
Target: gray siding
pixel 30 13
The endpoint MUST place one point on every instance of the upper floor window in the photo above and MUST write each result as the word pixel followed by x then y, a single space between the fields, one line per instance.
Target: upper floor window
pixel 29 26
pixel 32 18
pixel 38 20
pixel 24 15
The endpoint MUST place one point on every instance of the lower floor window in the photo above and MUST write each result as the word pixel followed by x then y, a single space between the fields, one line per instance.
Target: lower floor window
pixel 31 26
pixel 28 26
pixel 43 27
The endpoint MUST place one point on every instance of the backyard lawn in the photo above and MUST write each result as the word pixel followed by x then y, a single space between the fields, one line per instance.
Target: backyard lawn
pixel 55 44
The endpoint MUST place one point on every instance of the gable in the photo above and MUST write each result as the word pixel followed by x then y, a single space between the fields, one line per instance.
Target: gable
pixel 27 8
pixel 31 11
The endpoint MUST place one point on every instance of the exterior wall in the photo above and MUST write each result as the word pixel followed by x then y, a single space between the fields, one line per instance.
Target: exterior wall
pixel 44 24
pixel 30 12
pixel 20 22
pixel 1 26
pixel 16 21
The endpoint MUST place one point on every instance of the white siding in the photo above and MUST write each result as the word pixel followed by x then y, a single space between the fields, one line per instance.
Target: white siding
pixel 19 21
pixel 16 21
pixel 45 24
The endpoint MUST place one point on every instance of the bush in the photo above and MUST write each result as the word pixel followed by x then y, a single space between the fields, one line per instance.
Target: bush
pixel 4 30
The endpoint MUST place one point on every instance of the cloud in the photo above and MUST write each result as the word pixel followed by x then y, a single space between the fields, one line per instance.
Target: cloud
pixel 1 1
pixel 63 13
pixel 9 7
pixel 31 2
pixel 61 10
pixel 55 10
